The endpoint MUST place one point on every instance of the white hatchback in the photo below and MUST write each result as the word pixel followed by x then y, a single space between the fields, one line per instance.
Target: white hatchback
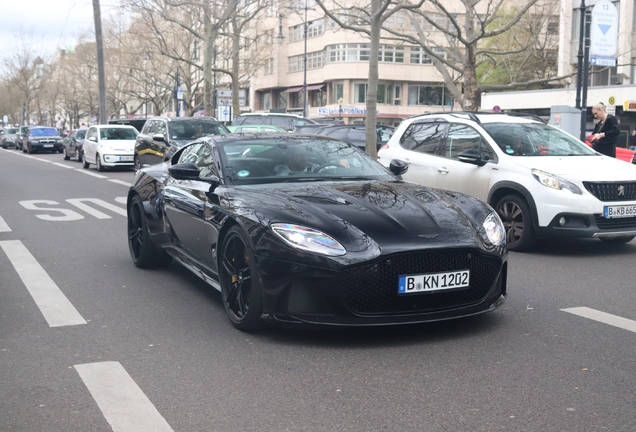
pixel 109 146
pixel 541 181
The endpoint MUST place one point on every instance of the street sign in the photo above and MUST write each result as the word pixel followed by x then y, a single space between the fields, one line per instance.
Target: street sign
pixel 603 61
pixel 604 33
pixel 496 109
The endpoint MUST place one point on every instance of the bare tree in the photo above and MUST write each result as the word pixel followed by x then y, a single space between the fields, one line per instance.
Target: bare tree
pixel 456 35
pixel 26 70
pixel 368 19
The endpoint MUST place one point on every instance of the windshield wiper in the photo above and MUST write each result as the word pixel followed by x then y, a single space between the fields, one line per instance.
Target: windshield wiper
pixel 302 179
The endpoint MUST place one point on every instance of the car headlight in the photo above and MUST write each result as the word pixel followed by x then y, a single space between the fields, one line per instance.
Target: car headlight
pixel 308 239
pixel 555 182
pixel 494 229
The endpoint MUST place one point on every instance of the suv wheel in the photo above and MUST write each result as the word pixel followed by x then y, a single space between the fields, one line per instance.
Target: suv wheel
pixel 517 219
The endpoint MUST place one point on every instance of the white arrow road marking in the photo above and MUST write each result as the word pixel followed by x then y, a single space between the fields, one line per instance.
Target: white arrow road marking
pixel 603 317
pixel 56 308
pixel 79 203
pixel 122 200
pixel 3 226
pixel 124 405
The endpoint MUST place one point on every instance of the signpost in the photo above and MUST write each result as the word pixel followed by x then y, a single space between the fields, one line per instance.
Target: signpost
pixel 604 34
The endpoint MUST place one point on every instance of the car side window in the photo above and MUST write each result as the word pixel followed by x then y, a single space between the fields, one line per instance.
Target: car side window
pixel 425 137
pixel 340 133
pixel 461 138
pixel 92 133
pixel 200 154
pixel 161 128
pixel 149 127
pixel 253 120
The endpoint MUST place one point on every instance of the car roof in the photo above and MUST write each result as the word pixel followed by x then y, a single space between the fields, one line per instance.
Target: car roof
pixel 483 117
pixel 183 119
pixel 271 114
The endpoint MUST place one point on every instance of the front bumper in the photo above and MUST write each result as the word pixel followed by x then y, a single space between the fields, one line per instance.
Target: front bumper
pixel 46 146
pixel 367 295
pixel 116 159
pixel 578 225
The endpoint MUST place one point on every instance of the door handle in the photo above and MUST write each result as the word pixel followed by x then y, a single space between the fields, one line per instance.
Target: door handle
pixel 442 170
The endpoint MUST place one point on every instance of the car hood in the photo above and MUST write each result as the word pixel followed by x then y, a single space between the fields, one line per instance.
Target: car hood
pixel 397 216
pixel 584 168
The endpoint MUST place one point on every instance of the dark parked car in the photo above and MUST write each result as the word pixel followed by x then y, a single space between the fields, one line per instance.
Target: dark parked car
pixel 161 137
pixel 356 134
pixel 343 241
pixel 42 138
pixel 137 123
pixel 73 144
pixel 10 137
pixel 286 121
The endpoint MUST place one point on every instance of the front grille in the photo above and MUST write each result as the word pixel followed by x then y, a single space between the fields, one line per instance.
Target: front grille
pixel 615 224
pixel 372 289
pixel 612 191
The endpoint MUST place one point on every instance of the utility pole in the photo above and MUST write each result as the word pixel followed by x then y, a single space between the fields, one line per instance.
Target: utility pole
pixel 101 76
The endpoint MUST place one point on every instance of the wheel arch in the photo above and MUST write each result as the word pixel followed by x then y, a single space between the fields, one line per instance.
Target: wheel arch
pixel 504 188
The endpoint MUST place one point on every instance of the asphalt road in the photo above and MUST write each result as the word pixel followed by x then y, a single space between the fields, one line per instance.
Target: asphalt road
pixel 88 342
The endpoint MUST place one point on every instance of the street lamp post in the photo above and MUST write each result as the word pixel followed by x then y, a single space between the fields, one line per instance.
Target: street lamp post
pixel 306 25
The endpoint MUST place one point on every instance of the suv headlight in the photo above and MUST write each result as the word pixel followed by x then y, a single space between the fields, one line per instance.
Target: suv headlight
pixel 308 239
pixel 494 229
pixel 555 182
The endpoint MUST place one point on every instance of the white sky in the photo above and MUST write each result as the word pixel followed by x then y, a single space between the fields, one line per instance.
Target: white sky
pixel 55 23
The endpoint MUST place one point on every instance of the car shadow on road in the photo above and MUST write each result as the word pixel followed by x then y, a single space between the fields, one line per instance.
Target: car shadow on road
pixel 583 247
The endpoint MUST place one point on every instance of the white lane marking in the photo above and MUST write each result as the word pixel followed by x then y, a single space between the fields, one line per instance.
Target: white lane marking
pixel 56 308
pixel 68 215
pixel 85 171
pixel 42 160
pixel 121 200
pixel 125 406
pixel 79 203
pixel 121 182
pixel 603 317
pixel 3 226
pixel 62 165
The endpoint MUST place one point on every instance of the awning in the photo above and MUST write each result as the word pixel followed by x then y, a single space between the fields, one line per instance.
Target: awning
pixel 309 88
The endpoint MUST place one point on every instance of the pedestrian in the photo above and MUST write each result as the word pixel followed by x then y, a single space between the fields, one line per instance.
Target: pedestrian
pixel 605 132
pixel 632 140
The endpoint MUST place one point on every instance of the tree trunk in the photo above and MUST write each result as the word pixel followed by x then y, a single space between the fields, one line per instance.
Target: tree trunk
pixel 372 90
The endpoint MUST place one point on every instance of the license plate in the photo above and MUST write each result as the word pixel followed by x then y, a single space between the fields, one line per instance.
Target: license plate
pixel 125 158
pixel 47 145
pixel 414 284
pixel 619 211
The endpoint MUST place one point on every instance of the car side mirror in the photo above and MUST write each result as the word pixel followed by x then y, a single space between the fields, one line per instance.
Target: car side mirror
pixel 471 157
pixel 185 171
pixel 159 137
pixel 93 139
pixel 398 167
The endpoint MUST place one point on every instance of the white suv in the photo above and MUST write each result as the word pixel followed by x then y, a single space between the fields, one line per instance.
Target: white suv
pixel 541 181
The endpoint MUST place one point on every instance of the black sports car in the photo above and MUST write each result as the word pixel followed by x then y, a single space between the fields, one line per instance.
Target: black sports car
pixel 298 228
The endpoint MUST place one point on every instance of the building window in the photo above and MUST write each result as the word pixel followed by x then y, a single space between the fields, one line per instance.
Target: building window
pixel 391 54
pixel 418 56
pixel 348 52
pixel 266 101
pixel 337 91
pixel 269 66
pixel 360 93
pixel 315 60
pixel 314 29
pixel 385 93
pixel 422 94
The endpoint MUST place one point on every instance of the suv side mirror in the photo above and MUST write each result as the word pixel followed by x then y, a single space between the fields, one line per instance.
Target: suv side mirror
pixel 471 157
pixel 398 167
pixel 159 137
pixel 93 139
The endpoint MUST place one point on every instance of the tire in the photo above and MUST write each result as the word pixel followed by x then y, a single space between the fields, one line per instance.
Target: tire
pixel 137 163
pixel 86 164
pixel 142 251
pixel 618 239
pixel 517 219
pixel 79 155
pixel 240 279
pixel 30 150
pixel 66 156
pixel 98 163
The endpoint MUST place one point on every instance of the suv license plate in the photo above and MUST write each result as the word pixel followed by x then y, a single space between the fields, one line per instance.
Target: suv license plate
pixel 620 211
pixel 47 145
pixel 414 284
pixel 125 158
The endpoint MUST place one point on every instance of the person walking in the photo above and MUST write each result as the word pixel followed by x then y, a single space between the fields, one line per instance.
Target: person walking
pixel 632 140
pixel 605 132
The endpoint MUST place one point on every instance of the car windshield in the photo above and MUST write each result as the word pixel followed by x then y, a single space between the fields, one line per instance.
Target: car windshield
pixel 191 130
pixel 297 159
pixel 11 131
pixel 117 133
pixel 81 134
pixel 43 132
pixel 534 139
